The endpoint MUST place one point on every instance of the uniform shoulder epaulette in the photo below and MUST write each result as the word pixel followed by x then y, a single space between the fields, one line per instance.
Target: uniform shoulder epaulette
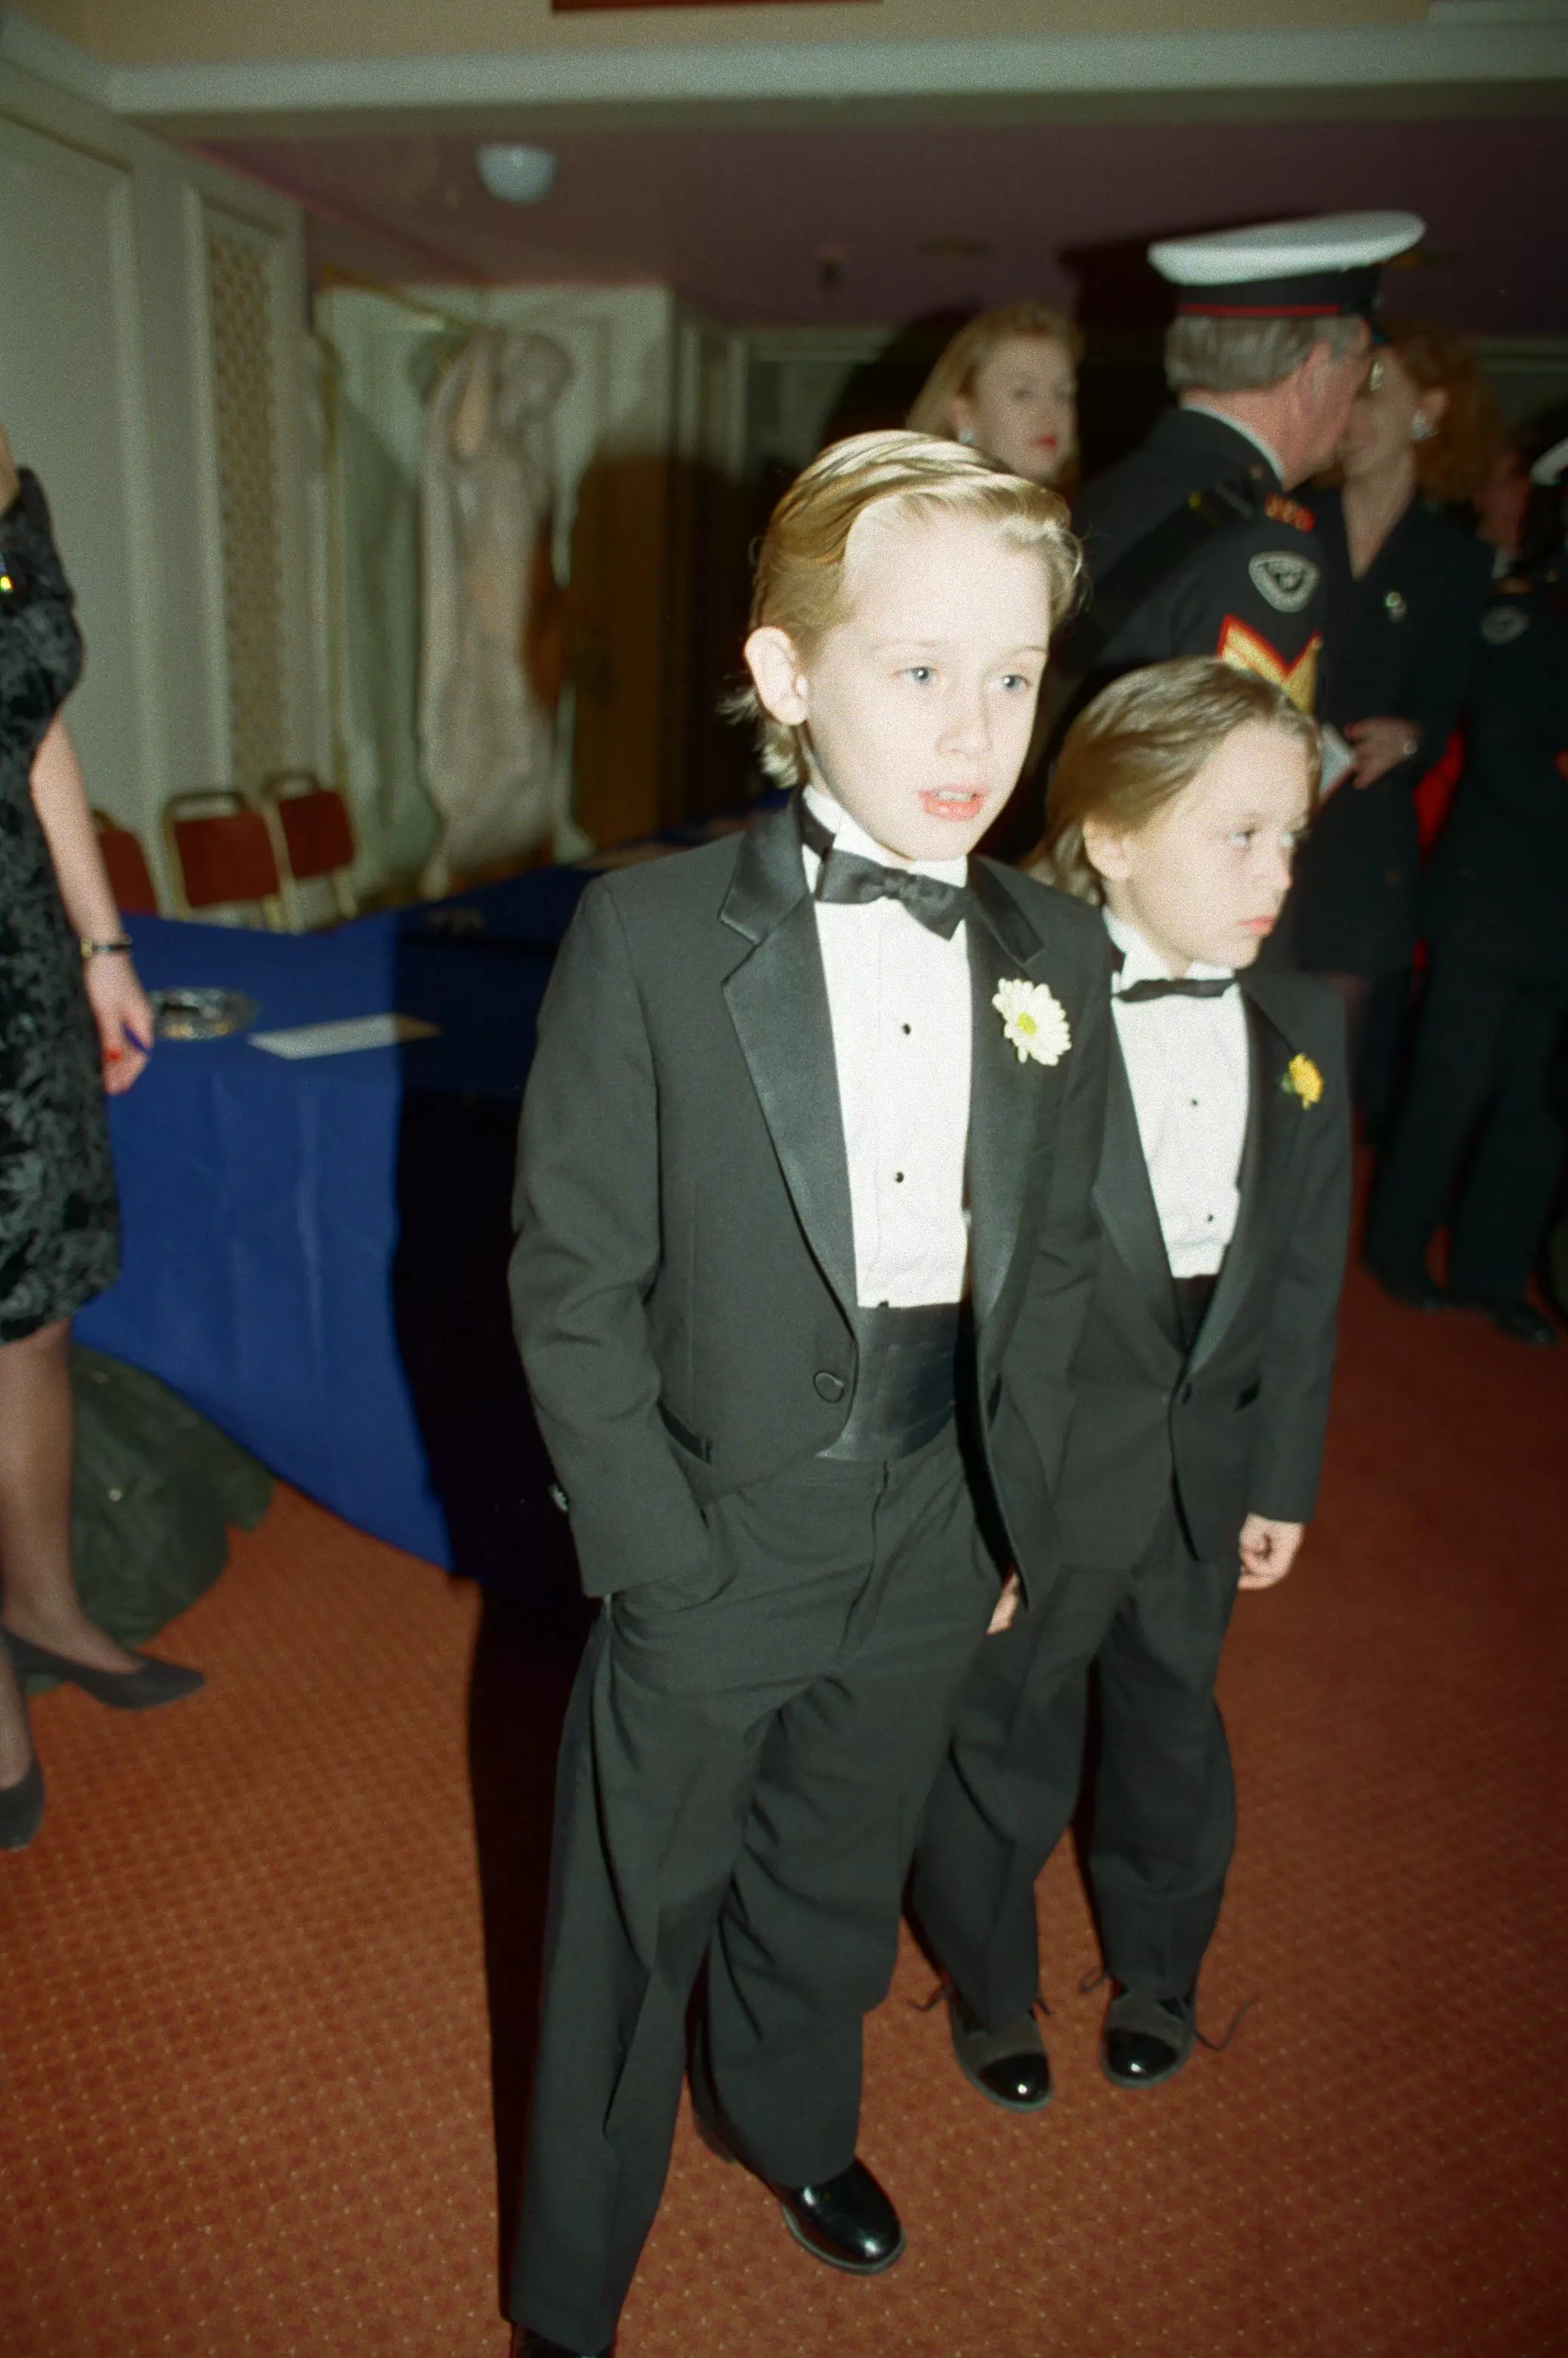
pixel 1279 510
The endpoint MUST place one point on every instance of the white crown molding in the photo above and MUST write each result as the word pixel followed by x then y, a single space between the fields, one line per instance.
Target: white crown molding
pixel 1492 13
pixel 1458 50
pixel 53 60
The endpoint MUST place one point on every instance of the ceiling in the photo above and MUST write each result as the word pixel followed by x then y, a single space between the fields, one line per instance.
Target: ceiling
pixel 879 223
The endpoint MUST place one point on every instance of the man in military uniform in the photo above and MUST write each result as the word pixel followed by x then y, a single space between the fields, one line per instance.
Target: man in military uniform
pixel 1483 1106
pixel 1193 546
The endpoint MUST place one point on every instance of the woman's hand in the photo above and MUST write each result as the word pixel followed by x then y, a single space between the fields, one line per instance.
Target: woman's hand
pixel 124 1016
pixel 119 1003
pixel 10 481
pixel 1380 746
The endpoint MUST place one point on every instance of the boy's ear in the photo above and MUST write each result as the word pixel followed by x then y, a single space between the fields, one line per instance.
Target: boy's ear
pixel 778 675
pixel 1106 850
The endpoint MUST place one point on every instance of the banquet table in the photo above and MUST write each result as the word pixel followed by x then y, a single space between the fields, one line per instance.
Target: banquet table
pixel 315 1251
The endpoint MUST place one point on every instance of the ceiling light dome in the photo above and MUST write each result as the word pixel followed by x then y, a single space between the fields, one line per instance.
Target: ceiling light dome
pixel 517 175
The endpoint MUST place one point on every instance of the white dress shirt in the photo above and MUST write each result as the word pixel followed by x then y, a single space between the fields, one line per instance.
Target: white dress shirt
pixel 899 998
pixel 1188 1064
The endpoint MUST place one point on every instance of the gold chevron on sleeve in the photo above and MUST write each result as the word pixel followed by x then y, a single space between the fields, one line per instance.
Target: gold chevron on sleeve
pixel 1247 649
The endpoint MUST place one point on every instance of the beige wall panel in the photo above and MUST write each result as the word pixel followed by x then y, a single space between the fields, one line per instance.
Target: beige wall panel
pixel 71 381
pixel 106 381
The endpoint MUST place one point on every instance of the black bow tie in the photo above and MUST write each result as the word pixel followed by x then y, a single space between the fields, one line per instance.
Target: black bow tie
pixel 846 881
pixel 1138 995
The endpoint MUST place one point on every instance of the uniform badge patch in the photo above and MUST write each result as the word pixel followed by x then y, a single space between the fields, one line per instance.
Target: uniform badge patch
pixel 1503 625
pixel 1286 581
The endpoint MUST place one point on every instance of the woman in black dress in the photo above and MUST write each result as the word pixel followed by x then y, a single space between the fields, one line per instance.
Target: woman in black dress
pixel 1405 586
pixel 73 1022
pixel 1480 1134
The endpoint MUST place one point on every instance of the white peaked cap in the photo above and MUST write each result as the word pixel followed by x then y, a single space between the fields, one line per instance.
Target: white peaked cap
pixel 1287 248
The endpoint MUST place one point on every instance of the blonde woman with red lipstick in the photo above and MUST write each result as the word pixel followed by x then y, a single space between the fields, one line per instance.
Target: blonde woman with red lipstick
pixel 1007 384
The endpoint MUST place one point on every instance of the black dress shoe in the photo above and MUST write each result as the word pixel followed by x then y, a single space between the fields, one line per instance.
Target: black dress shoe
pixel 846 2221
pixel 1010 2067
pixel 1147 2039
pixel 1521 1322
pixel 22 1808
pixel 1413 1288
pixel 150 1684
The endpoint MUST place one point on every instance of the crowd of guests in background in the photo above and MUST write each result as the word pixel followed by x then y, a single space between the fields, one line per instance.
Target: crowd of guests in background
pixel 1432 884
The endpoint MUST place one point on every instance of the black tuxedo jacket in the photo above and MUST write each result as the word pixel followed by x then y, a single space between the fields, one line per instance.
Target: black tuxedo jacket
pixel 1236 1426
pixel 684 1279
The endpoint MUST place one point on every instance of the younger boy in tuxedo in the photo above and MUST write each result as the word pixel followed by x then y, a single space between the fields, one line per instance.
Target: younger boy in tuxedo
pixel 1199 1392
pixel 803 1246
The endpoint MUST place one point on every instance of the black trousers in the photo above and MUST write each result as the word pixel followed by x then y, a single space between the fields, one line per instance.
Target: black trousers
pixel 1480 1086
pixel 741 1785
pixel 1164 1801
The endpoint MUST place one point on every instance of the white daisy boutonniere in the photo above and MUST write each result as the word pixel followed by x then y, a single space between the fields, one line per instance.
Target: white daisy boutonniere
pixel 1033 1021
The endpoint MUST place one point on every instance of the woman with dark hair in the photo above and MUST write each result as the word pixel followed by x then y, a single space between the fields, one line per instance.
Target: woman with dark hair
pixel 1405 588
pixel 1480 1137
pixel 74 1021
pixel 1007 384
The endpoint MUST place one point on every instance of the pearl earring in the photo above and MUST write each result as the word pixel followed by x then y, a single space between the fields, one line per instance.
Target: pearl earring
pixel 1422 427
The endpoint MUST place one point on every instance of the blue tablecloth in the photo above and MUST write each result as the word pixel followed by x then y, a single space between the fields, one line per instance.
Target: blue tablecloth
pixel 314 1251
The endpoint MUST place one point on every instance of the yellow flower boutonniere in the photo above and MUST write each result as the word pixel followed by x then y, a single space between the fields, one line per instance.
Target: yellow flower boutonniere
pixel 1033 1021
pixel 1301 1080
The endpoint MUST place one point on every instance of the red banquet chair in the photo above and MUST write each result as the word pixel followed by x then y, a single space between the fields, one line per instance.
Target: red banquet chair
pixel 222 856
pixel 312 827
pixel 130 877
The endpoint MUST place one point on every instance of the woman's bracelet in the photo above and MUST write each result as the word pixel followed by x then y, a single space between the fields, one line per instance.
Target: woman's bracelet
pixel 103 949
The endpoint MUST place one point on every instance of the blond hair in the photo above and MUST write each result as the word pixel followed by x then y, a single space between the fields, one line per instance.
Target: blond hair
pixel 1141 744
pixel 1244 355
pixel 799 581
pixel 955 371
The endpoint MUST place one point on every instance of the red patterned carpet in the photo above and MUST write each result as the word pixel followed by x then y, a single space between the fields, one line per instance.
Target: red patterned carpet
pixel 247 1972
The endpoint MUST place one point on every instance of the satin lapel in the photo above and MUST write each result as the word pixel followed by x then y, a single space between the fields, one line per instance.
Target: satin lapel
pixel 1273 1121
pixel 777 998
pixel 1012 1105
pixel 1124 1202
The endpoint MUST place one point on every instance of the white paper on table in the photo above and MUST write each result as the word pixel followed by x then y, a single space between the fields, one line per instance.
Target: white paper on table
pixel 342 1039
pixel 1338 760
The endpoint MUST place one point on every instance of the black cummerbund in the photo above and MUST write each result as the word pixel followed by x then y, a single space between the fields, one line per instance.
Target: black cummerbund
pixel 907 1383
pixel 1193 1295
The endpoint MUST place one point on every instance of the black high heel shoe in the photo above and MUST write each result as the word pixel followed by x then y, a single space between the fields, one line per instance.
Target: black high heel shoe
pixel 143 1689
pixel 22 1804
